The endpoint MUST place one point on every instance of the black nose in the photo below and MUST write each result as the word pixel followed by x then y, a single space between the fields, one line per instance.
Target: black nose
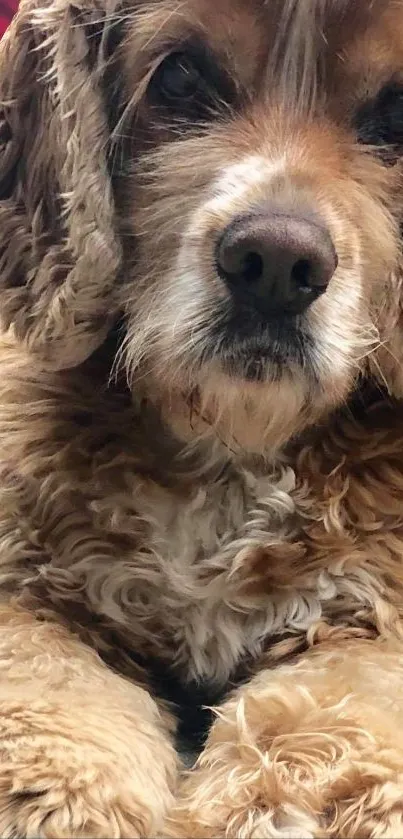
pixel 276 262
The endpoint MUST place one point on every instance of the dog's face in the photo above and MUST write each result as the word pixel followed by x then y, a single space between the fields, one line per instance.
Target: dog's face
pixel 264 207
pixel 255 156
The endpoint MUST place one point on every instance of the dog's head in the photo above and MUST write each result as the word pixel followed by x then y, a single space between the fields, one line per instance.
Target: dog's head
pixel 225 175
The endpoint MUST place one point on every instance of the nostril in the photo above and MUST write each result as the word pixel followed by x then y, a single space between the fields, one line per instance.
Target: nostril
pixel 310 278
pixel 301 274
pixel 252 267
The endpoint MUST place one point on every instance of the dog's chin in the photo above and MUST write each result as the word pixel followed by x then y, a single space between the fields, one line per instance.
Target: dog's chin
pixel 252 390
pixel 262 351
pixel 251 399
pixel 245 415
pixel 263 365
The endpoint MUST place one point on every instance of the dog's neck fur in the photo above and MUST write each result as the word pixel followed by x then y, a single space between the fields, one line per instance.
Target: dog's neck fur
pixel 201 562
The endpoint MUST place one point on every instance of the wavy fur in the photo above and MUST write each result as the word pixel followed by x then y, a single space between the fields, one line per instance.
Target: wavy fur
pixel 161 518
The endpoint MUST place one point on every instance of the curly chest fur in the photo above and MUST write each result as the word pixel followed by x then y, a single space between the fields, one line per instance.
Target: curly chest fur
pixel 209 586
pixel 191 578
pixel 214 570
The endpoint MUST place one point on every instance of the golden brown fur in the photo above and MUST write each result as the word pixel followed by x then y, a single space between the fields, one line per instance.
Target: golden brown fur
pixel 163 504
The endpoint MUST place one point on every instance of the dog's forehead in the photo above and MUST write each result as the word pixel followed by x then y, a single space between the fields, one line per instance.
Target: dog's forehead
pixel 357 43
pixel 337 24
pixel 358 30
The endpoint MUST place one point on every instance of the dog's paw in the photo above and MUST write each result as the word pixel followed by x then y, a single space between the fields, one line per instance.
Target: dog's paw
pixel 283 822
pixel 293 755
pixel 61 778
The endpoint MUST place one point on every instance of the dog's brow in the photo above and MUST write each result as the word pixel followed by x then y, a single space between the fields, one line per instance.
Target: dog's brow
pixel 296 48
pixel 307 33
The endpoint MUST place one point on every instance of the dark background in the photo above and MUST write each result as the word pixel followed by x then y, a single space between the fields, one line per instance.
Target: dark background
pixel 7 9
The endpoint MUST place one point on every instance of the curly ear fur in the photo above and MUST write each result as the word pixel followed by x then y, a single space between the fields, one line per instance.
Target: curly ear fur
pixel 59 252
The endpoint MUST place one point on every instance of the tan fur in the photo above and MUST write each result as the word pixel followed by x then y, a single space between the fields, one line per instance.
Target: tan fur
pixel 69 727
pixel 302 752
pixel 158 512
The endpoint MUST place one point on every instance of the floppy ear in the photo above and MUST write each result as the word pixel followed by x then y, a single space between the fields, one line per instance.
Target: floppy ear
pixel 59 253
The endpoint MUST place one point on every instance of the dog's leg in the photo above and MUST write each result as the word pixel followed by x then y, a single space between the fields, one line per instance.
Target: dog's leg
pixel 310 750
pixel 83 752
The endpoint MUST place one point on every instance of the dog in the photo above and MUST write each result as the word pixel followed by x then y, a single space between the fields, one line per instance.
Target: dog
pixel 201 484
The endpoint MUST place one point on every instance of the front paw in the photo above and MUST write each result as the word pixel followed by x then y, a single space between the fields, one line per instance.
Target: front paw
pixel 75 771
pixel 294 756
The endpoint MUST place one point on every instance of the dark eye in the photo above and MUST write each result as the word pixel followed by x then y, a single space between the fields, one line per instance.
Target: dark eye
pixel 380 121
pixel 191 84
pixel 178 77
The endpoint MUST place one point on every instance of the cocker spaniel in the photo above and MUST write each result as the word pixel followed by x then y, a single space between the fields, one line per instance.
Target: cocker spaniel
pixel 201 446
